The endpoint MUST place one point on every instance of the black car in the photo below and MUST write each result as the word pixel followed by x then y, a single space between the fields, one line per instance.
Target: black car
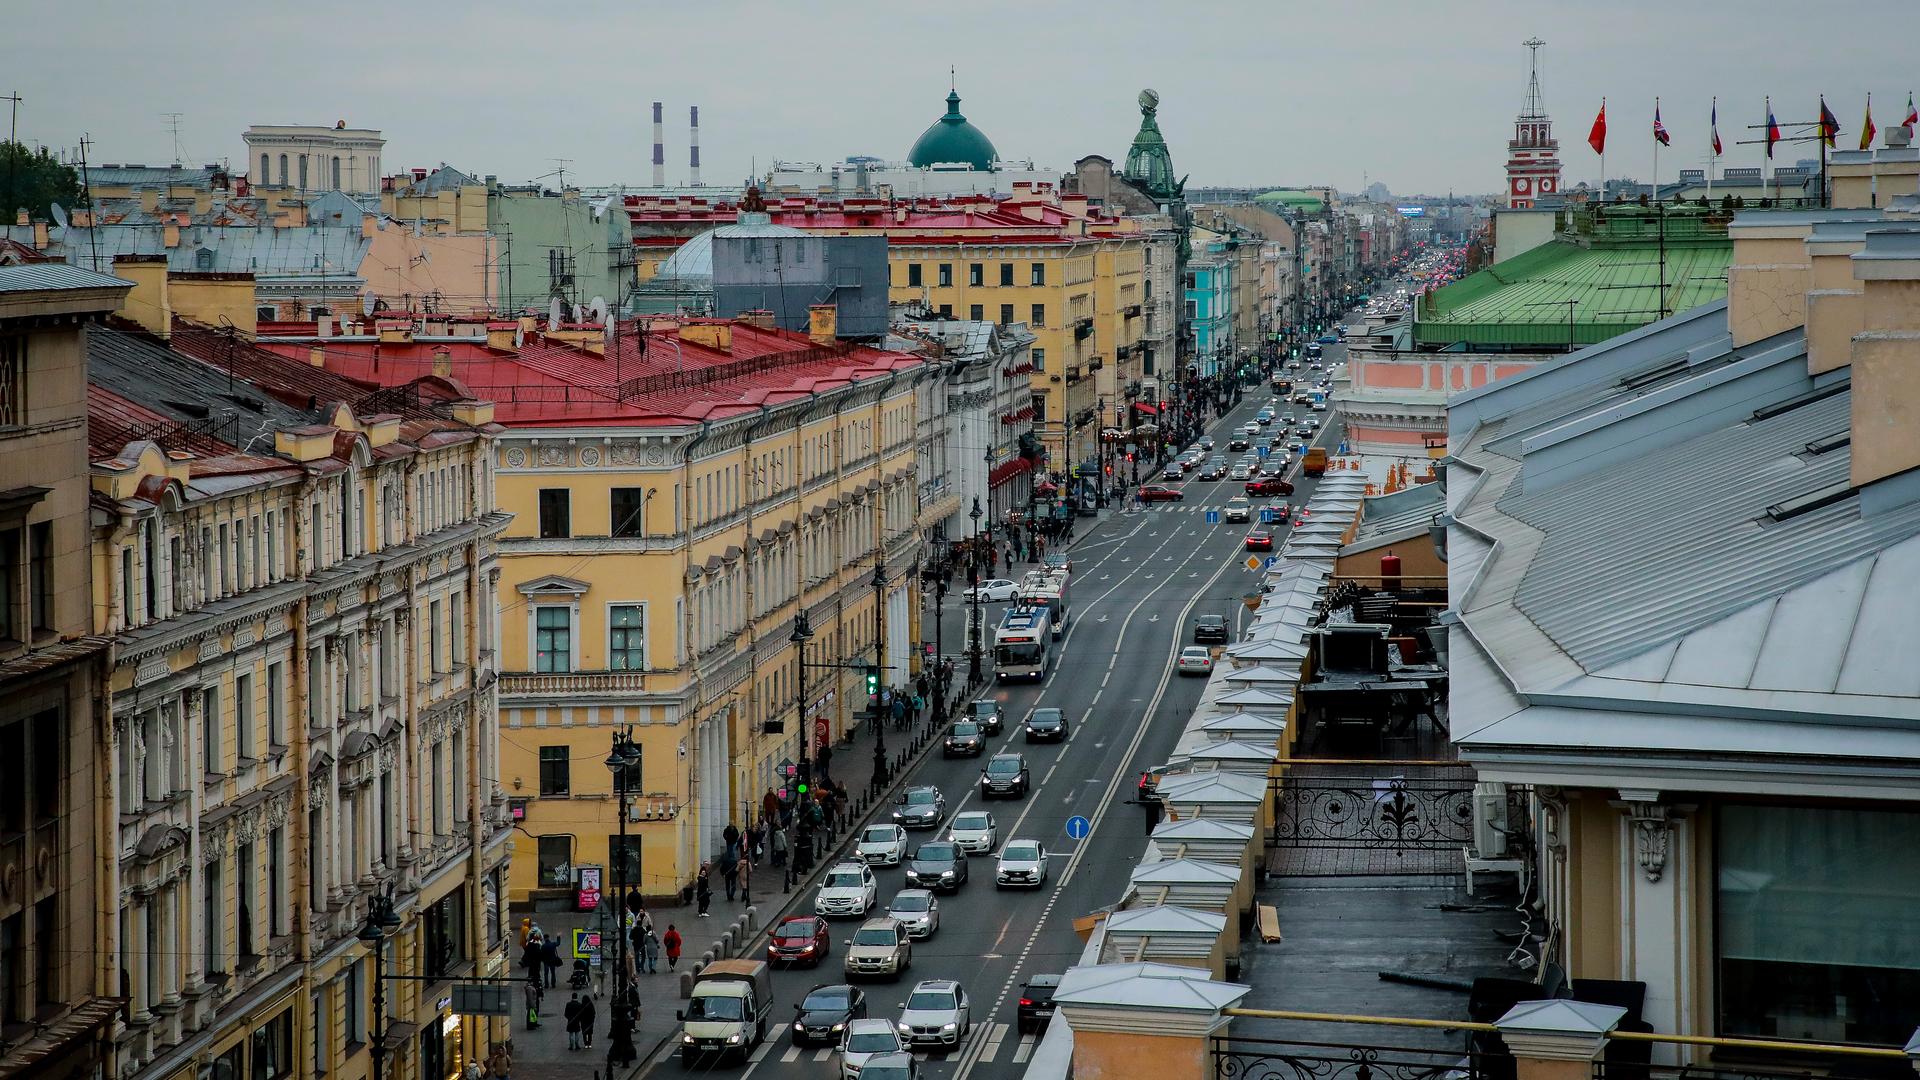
pixel 1005 774
pixel 1209 628
pixel 963 740
pixel 989 715
pixel 1036 1003
pixel 1047 725
pixel 823 1016
pixel 940 866
pixel 1216 471
pixel 919 808
pixel 1238 442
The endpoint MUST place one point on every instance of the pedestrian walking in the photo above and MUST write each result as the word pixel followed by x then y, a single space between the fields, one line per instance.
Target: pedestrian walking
pixel 744 871
pixel 550 960
pixel 730 870
pixel 778 842
pixel 770 805
pixel 532 996
pixel 533 956
pixel 703 890
pixel 671 942
pixel 649 945
pixel 919 704
pixel 587 1016
pixel 825 760
pixel 572 1014
pixel 500 1064
pixel 730 835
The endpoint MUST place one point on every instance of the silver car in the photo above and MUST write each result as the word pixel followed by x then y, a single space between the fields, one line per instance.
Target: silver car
pixel 865 1040
pixel 1022 863
pixel 974 832
pixel 916 909
pixel 936 1014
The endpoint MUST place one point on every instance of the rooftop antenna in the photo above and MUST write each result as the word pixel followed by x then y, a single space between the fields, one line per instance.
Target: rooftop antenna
pixel 173 126
pixel 13 136
pixel 1534 106
pixel 86 187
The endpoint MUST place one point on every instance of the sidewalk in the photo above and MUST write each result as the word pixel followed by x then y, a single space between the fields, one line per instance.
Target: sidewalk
pixel 542 1054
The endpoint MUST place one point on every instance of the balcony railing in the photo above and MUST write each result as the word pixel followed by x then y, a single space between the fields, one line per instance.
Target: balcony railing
pixel 1273 1059
pixel 574 682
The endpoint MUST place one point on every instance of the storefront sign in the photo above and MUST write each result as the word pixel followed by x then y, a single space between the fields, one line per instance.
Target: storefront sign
pixel 586 944
pixel 588 897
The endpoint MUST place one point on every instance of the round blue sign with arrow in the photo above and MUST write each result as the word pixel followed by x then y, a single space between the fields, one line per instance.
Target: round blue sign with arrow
pixel 1078 827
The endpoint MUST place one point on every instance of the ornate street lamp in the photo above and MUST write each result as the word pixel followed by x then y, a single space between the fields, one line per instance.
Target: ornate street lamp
pixel 382 921
pixel 973 597
pixel 623 760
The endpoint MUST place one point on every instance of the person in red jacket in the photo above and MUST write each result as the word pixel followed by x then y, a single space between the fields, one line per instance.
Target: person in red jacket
pixel 671 942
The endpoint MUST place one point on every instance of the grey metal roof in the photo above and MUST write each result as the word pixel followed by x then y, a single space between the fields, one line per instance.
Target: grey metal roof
pixel 185 390
pixel 41 277
pixel 1164 986
pixel 693 260
pixel 311 251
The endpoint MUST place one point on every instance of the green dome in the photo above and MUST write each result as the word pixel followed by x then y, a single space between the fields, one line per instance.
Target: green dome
pixel 952 141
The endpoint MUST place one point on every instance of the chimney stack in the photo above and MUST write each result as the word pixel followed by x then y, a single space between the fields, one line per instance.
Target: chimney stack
pixel 659 148
pixel 1886 379
pixel 693 174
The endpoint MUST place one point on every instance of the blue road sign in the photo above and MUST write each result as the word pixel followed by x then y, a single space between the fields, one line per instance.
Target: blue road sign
pixel 1078 827
pixel 1266 515
pixel 1265 450
pixel 1272 561
pixel 1213 517
pixel 1343 451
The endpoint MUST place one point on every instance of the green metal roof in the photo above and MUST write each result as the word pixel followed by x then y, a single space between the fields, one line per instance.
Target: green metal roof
pixel 1299 200
pixel 951 140
pixel 1607 263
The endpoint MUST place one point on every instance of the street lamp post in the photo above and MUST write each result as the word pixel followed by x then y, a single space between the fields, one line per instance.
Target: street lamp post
pixel 973 598
pixel 382 920
pixel 624 762
pixel 939 642
pixel 802 633
pixel 880 664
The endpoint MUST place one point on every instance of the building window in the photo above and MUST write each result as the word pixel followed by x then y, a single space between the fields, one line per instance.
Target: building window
pixel 303 172
pixel 213 923
pixel 283 170
pixel 623 860
pixel 1039 359
pixel 1039 408
pixel 1039 274
pixel 266 173
pixel 276 705
pixel 10 541
pixel 1006 314
pixel 446 930
pixel 976 274
pixel 276 882
pixel 243 717
pixel 40 577
pixel 629 512
pixel 946 311
pixel 436 636
pixel 351 1021
pixel 556 517
pixel 1818 923
pixel 946 275
pixel 1039 315
pixel 210 729
pixel 556 861
pixel 977 312
pixel 913 276
pixel 272 1049
pixel 336 172
pixel 553 638
pixel 1006 274
pixel 556 772
pixel 626 638
pixel 243 910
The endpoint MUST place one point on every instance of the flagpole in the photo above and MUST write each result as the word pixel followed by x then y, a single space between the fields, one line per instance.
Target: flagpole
pixel 1656 151
pixel 1713 132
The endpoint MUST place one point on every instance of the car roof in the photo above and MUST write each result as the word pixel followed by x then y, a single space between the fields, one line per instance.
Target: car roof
pixel 1044 981
pixel 847 864
pixel 1198 649
pixel 880 922
pixel 1008 756
pixel 1210 619
pixel 935 984
pixel 871 1023
pixel 913 892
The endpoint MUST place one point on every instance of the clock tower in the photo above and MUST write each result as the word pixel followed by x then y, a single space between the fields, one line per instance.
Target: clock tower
pixel 1533 154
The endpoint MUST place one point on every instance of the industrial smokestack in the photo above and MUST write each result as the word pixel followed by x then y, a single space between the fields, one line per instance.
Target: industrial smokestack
pixel 693 175
pixel 659 148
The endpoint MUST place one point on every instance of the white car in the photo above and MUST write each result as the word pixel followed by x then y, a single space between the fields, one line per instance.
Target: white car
pixel 849 891
pixel 993 589
pixel 864 1040
pixel 882 845
pixel 936 1014
pixel 1022 862
pixel 1241 472
pixel 1319 406
pixel 1239 509
pixel 916 909
pixel 973 832
pixel 1195 660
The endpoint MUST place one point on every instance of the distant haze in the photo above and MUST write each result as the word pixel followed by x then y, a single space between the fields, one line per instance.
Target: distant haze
pixel 1418 95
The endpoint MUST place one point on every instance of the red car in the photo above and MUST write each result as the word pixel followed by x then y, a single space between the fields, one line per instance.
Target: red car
pixel 799 939
pixel 1269 485
pixel 1159 493
pixel 1283 511
pixel 1259 540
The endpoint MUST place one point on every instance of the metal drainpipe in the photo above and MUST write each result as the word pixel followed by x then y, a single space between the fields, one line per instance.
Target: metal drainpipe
pixel 686 625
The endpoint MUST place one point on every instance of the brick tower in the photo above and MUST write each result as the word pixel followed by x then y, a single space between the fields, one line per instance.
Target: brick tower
pixel 1533 154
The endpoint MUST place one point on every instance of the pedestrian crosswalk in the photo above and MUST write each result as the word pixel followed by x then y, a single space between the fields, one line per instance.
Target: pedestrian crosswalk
pixel 996 1045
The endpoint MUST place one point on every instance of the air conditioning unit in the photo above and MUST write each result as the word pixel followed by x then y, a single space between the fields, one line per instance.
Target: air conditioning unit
pixel 1489 820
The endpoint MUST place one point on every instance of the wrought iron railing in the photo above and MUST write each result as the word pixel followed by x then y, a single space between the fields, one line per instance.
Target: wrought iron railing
pixel 1273 1059
pixel 1393 812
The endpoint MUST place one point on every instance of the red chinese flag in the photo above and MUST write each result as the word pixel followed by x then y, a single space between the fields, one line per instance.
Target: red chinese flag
pixel 1597 137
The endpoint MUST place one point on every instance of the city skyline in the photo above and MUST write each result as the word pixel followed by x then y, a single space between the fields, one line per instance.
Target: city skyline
pixel 1426 110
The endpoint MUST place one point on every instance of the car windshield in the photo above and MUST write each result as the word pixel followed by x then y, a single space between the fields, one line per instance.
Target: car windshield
pixel 922 797
pixel 966 727
pixel 889 1071
pixel 792 928
pixel 716 1008
pixel 942 852
pixel 843 879
pixel 903 902
pixel 878 834
pixel 873 1042
pixel 878 935
pixel 931 999
pixel 1001 767
pixel 1211 620
pixel 972 821
pixel 1196 652
pixel 1047 715
pixel 1028 851
pixel 984 709
pixel 827 999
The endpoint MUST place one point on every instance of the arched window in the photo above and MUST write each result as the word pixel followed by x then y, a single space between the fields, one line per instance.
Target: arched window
pixel 266 171
pixel 336 172
pixel 303 172
pixel 283 170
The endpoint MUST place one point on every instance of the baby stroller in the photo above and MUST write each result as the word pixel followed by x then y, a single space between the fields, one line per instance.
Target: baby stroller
pixel 578 980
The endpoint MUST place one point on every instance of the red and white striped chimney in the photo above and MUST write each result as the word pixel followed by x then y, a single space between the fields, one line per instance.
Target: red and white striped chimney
pixel 659 148
pixel 693 174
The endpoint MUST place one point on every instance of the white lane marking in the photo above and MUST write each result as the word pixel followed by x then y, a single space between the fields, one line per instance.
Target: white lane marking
pixel 998 1036
pixel 822 1054
pixel 792 1055
pixel 1024 1050
pixel 761 1050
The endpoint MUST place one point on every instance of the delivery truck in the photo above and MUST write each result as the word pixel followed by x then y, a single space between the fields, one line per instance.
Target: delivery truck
pixel 727 1014
pixel 1315 463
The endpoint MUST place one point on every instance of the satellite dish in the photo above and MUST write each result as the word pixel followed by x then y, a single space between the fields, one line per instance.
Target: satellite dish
pixel 579 313
pixel 59 215
pixel 366 304
pixel 553 313
pixel 599 308
pixel 600 208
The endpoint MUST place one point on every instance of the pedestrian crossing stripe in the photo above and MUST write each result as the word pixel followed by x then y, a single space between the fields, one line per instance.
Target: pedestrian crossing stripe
pixel 994 1037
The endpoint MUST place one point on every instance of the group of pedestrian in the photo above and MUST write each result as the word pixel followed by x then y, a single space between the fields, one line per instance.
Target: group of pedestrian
pixel 580 1013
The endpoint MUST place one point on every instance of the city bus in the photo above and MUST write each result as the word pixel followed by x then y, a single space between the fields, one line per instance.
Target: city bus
pixel 1022 644
pixel 1047 589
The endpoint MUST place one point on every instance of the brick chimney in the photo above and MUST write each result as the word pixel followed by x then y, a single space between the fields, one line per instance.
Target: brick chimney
pixel 149 302
pixel 443 363
pixel 1835 302
pixel 823 323
pixel 1886 370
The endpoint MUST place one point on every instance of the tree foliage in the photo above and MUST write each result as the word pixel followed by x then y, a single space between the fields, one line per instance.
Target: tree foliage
pixel 32 180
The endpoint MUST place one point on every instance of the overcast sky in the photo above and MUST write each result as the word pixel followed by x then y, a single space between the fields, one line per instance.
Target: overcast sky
pixel 1419 94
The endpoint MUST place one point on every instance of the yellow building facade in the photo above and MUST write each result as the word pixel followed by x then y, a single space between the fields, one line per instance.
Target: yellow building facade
pixel 650 584
pixel 303 713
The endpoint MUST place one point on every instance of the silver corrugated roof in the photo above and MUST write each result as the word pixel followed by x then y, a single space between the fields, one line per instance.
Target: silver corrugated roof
pixel 39 277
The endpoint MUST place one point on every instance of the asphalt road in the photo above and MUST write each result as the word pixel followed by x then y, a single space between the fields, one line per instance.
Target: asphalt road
pixel 1139 578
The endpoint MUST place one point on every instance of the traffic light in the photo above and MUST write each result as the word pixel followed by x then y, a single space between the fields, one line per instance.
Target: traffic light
pixel 873 680
pixel 801 777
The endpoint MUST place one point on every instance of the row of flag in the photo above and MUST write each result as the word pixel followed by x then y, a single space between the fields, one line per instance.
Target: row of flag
pixel 1829 126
